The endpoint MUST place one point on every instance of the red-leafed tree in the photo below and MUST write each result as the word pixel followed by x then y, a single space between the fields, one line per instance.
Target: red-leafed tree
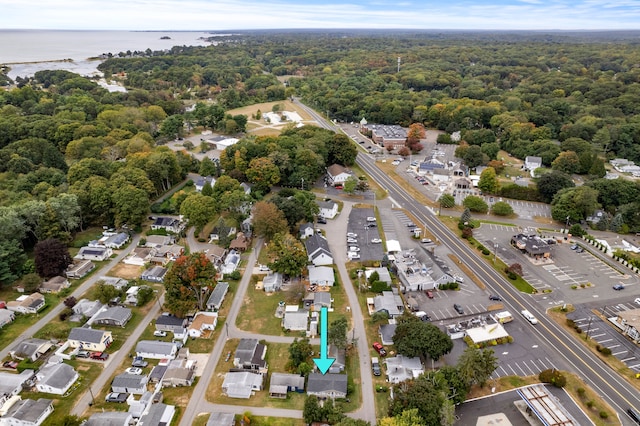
pixel 414 135
pixel 51 258
pixel 189 283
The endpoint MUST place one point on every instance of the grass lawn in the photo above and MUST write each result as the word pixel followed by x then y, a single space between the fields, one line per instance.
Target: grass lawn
pixel 285 105
pixel 82 238
pixel 122 270
pixel 274 421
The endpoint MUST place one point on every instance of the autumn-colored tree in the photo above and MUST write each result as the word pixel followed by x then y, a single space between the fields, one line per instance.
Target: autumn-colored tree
pixel 51 258
pixel 189 283
pixel 268 220
pixel 263 173
pixel 288 254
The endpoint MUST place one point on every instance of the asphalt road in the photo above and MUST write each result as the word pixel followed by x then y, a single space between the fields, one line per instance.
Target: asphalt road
pixel 615 390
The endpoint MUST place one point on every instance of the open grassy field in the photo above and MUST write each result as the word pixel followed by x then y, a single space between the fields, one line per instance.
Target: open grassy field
pixel 259 127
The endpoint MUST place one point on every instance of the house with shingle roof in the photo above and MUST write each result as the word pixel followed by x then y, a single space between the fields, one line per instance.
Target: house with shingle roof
pixel 217 296
pixel 327 209
pixel 159 414
pixel 98 254
pixel 202 322
pixel 322 276
pixel 56 378
pixel 337 174
pixel 130 383
pixel 282 383
pixel 110 418
pixel 390 303
pixel 327 385
pixel 31 349
pixel 318 250
pixel 54 285
pixel 90 339
pixel 221 419
pixel 30 304
pixel 242 384
pixel 154 349
pixel 28 412
pixel 250 355
pixel 115 315
pixel 79 268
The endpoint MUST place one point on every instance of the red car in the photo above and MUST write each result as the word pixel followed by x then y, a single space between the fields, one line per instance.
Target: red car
pixel 102 356
pixel 380 349
pixel 429 294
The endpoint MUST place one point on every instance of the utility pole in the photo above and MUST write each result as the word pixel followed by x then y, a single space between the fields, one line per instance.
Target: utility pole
pixel 586 336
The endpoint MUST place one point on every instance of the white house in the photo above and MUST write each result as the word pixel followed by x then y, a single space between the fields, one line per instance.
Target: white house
pixel 28 412
pixel 168 223
pixel 202 322
pixel 322 276
pixel 400 368
pixel 241 384
pixel 202 181
pixel 79 268
pixel 24 304
pixel 328 209
pixel 272 282
pixel 327 385
pixel 306 230
pixel 318 250
pixel 98 254
pixel 337 174
pixel 156 349
pixel 56 378
pixel 130 383
pixel 532 163
pixel 89 339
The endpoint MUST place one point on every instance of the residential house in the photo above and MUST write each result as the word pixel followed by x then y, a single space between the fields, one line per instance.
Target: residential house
pixel 295 320
pixel 56 378
pixel 24 304
pixel 240 243
pixel 216 254
pixel 272 282
pixel 131 295
pixel 54 285
pixel 217 296
pixel 401 368
pixel 386 333
pixel 168 223
pixel 242 384
pixel 250 355
pixel 318 250
pixel 79 268
pixel 171 323
pixel 11 384
pixel 321 276
pixel 159 414
pixel 231 262
pixel 90 339
pixel 327 209
pixel 306 230
pixel 130 383
pixel 28 412
pixel 116 241
pixel 337 174
pixel 246 188
pixel 155 241
pixel 629 323
pixel 110 418
pixel 390 303
pixel 531 245
pixel 202 322
pixel 221 419
pixel 327 385
pixel 139 256
pixel 154 274
pixel 321 299
pixel 531 163
pixel 202 181
pixel 383 274
pixel 168 252
pixel 340 357
pixel 282 383
pixel 157 373
pixel 116 316
pixel 154 349
pixel 98 254
pixel 117 283
pixel 30 349
pixel 87 308
pixel 6 317
pixel 180 372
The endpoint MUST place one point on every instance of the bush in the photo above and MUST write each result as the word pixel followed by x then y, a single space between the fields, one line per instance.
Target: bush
pixel 486 252
pixel 379 287
pixel 603 414
pixel 554 377
pixel 235 275
pixel 581 392
pixel 512 276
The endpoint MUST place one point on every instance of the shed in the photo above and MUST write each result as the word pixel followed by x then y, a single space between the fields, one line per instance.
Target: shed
pixel 217 296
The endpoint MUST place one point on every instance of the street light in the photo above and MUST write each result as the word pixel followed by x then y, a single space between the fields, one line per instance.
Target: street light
pixel 567 225
pixel 495 250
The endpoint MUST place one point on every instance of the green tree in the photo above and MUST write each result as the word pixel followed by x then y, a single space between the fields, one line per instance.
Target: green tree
pixel 189 283
pixel 198 209
pixel 475 204
pixel 406 418
pixel 31 282
pixel 208 167
pixel 567 161
pixel 474 157
pixel 502 208
pixel 288 255
pixel 299 351
pixel 447 201
pixel 145 294
pixel 576 203
pixel 106 292
pixel 130 205
pixel 337 333
pixel 312 412
pixel 423 394
pixel 550 183
pixel 488 182
pixel 415 338
pixel 350 184
pixel 263 173
pixel 465 217
pixel 172 126
pixel 268 220
pixel 477 365
pixel 341 150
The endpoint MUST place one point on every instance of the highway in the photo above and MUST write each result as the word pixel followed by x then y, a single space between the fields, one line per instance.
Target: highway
pixel 607 383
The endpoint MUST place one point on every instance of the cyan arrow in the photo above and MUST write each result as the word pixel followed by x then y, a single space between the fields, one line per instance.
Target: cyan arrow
pixel 323 363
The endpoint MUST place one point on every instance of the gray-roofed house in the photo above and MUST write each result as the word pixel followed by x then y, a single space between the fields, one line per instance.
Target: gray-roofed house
pixel 202 181
pixel 221 419
pixel 155 241
pixel 242 384
pixel 306 230
pixel 282 383
pixel 179 376
pixel 340 357
pixel 154 274
pixel 320 299
pixel 115 315
pixel 250 355
pixel 390 303
pixel 272 282
pixel 168 223
pixel 171 323
pixel 158 415
pixel 401 368
pixel 130 383
pixel 156 350
pixel 30 304
pixel 327 209
pixel 79 268
pixel 89 339
pixel 28 412
pixel 322 276
pixel 110 418
pixel 231 262
pixel 386 333
pixel 383 274
pixel 157 373
pixel 531 163
pixel 116 282
pixel 11 384
pixel 327 385
pixel 31 349
pixel 93 253
pixel 54 285
pixel 116 241
pixel 6 317
pixel 87 308
pixel 318 251
pixel 217 296
pixel 56 378
pixel 295 321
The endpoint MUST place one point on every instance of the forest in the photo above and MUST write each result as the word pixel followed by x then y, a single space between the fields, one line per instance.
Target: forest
pixel 75 155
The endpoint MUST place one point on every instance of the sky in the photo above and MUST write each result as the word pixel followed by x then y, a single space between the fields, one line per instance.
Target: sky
pixel 277 14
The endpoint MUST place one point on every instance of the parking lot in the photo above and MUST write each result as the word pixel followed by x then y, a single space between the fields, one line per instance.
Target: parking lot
pixel 367 241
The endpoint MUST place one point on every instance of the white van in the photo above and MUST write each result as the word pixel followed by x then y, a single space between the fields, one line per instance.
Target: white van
pixel 504 317
pixel 529 316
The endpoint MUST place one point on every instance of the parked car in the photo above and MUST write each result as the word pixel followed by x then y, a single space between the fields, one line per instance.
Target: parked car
pixel 380 349
pixel 426 241
pixel 573 246
pixel 637 301
pixel 370 225
pixel 117 397
pixel 618 287
pixel 579 250
pixel 495 297
pixel 139 362
pixel 375 366
pixel 429 294
pixel 376 241
pixel 351 235
pixel 101 356
pixel 352 241
pixel 353 255
pixel 159 333
pixel 354 248
pixel 134 370
pixel 371 219
pixel 458 308
pixel 10 364
pixel 83 354
pixel 322 220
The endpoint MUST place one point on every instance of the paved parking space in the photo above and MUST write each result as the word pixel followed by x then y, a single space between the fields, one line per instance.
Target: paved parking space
pixel 357 221
pixel 528 367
